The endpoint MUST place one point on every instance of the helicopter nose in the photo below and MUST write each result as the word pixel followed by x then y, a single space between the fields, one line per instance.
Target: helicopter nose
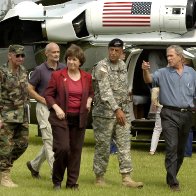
pixel 190 14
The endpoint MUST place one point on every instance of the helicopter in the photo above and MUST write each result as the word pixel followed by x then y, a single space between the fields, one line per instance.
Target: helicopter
pixel 146 27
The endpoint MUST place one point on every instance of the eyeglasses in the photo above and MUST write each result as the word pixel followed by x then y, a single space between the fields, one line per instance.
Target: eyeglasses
pixel 20 55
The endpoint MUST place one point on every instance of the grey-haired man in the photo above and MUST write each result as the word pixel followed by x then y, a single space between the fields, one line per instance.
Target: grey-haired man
pixel 177 84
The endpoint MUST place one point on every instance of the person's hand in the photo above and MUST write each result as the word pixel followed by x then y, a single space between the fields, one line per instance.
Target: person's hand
pixel 154 108
pixel 120 116
pixel 44 101
pixel 145 65
pixel 88 104
pixel 60 113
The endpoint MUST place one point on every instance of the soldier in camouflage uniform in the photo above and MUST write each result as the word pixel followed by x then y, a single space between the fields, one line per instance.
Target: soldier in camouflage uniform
pixel 13 112
pixel 111 115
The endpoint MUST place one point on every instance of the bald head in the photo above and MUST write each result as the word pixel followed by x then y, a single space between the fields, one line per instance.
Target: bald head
pixel 50 46
pixel 52 52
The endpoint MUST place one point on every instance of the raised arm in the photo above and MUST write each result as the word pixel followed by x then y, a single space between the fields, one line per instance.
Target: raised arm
pixel 146 73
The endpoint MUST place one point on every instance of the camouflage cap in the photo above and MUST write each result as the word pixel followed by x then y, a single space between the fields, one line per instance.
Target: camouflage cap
pixel 18 49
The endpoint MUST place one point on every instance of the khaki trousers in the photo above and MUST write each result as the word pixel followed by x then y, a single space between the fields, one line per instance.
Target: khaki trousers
pixel 46 152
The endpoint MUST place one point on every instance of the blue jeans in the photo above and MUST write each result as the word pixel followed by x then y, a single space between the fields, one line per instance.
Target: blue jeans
pixel 113 147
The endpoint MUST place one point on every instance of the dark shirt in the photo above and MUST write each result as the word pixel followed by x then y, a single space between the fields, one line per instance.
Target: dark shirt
pixel 41 75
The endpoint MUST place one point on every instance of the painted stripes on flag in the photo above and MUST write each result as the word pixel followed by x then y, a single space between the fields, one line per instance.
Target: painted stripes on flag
pixel 126 14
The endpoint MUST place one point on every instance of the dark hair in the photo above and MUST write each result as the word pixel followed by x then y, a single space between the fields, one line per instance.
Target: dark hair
pixel 75 51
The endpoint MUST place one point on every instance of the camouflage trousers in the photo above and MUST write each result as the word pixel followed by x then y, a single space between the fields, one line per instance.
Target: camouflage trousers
pixel 104 130
pixel 13 143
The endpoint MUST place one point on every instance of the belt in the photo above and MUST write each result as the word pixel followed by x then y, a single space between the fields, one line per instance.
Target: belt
pixel 178 109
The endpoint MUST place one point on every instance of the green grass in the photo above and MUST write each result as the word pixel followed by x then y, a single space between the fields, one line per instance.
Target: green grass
pixel 149 169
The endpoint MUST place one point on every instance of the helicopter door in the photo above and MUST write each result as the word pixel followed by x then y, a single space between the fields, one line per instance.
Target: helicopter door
pixel 131 60
pixel 192 50
pixel 131 63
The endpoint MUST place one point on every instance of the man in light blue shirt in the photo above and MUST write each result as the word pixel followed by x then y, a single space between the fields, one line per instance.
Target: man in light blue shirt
pixel 177 83
pixel 178 89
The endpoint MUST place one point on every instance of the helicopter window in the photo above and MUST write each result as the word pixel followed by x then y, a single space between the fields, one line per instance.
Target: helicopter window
pixel 79 25
pixel 176 11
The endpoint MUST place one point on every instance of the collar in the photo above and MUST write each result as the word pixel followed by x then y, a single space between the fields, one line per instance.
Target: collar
pixel 51 68
pixel 185 69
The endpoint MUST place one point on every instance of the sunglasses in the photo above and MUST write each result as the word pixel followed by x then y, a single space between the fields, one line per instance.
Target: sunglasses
pixel 20 55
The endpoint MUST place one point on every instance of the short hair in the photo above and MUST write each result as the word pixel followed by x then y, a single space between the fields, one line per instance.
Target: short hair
pixel 75 51
pixel 51 44
pixel 178 49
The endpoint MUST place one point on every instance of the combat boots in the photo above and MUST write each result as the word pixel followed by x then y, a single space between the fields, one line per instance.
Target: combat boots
pixel 6 180
pixel 99 181
pixel 128 182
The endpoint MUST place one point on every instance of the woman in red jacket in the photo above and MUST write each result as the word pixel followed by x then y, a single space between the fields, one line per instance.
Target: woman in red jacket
pixel 69 95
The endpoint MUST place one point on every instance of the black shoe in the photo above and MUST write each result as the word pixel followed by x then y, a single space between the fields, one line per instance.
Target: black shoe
pixel 57 187
pixel 74 187
pixel 34 173
pixel 174 187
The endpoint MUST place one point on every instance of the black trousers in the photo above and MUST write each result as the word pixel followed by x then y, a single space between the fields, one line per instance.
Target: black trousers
pixel 175 127
pixel 67 147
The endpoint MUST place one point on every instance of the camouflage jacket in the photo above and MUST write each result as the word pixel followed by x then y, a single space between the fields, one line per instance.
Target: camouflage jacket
pixel 14 97
pixel 111 89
